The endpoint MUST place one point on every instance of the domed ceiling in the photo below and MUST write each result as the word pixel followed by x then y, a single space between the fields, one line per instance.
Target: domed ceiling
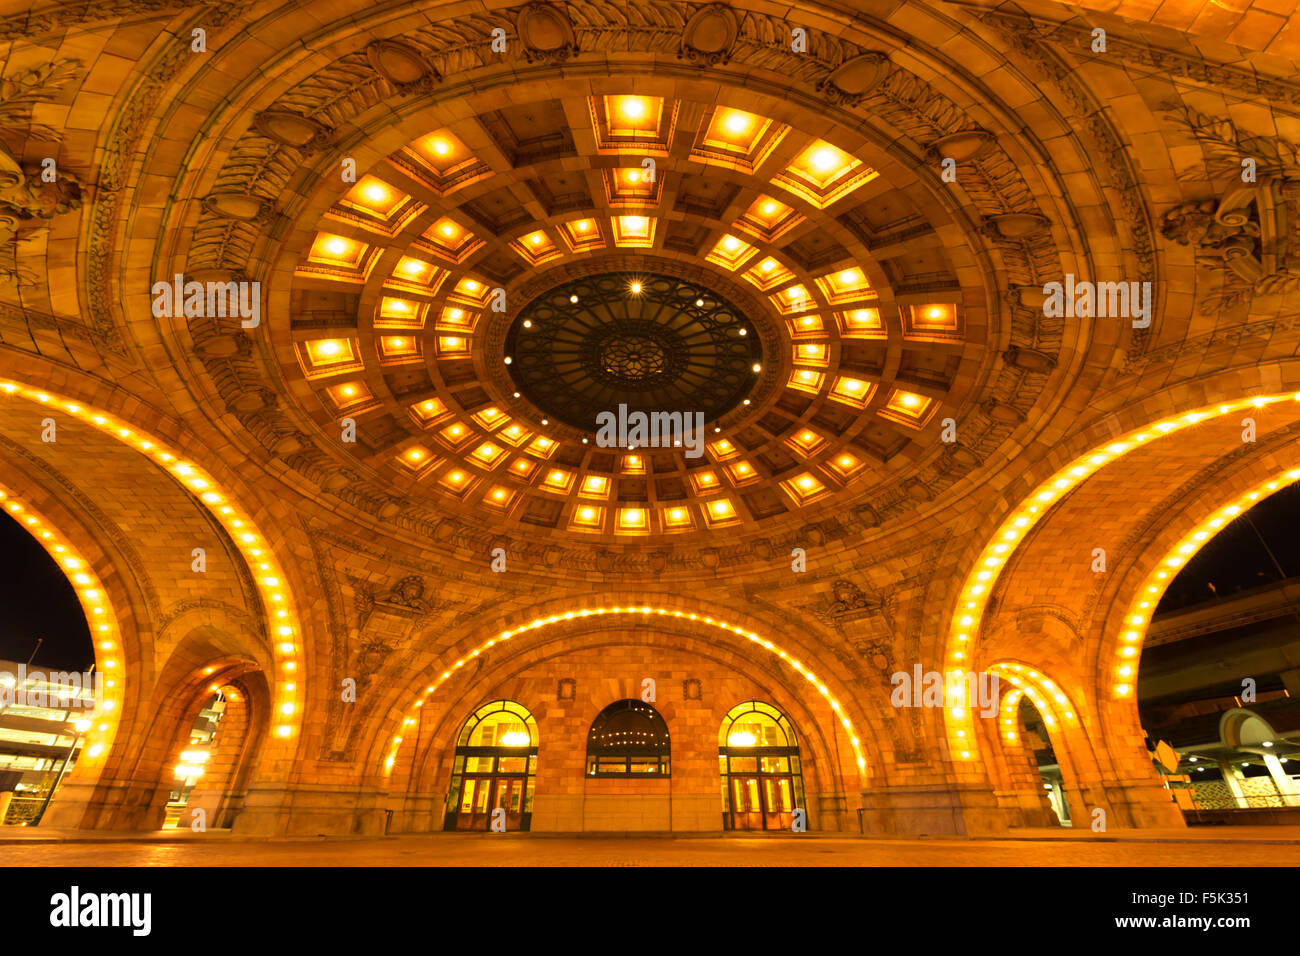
pixel 467 307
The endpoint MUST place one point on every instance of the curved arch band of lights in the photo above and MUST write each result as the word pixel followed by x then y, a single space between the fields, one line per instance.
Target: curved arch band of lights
pixel 106 634
pixel 286 648
pixel 979 583
pixel 410 718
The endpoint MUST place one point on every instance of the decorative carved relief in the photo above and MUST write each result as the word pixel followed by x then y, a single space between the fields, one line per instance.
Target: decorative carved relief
pixel 546 34
pixel 402 65
pixel 852 80
pixel 710 35
pixel 292 129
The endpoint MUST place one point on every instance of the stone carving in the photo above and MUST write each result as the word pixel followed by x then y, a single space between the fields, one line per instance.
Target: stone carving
pixel 963 146
pixel 546 34
pixel 852 80
pixel 1014 225
pixel 402 65
pixel 238 206
pixel 1252 229
pixel 710 35
pixel 292 129
pixel 406 596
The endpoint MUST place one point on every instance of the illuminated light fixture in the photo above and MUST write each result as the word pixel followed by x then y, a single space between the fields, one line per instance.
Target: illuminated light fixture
pixel 908 408
pixel 723 449
pixel 457 480
pixel 321 357
pixel 594 486
pixel 815 353
pixel 823 173
pixel 350 394
pixel 730 252
pixel 634 231
pixel 635 288
pixel 456 434
pixel 473 291
pixel 768 219
pixel 558 480
pixel 429 411
pixel 704 481
pixel 515 738
pixel 792 300
pixel 453 346
pixel 631 117
pixel 806 380
pixel 633 521
pixel 582 235
pixel 514 434
pixel 802 326
pixel 844 285
pixel 844 464
pixel 768 274
pixel 542 447
pixel 720 511
pixel 587 518
pixel 488 455
pixel 633 465
pixel 741 738
pixel 396 348
pixel 498 496
pixel 676 518
pixel 536 247
pixel 806 440
pixel 490 417
pixel 395 313
pixel 803 487
pixel 851 391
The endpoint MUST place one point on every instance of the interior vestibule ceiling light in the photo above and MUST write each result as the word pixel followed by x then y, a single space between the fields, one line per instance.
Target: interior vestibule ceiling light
pixel 636 288
pixel 741 738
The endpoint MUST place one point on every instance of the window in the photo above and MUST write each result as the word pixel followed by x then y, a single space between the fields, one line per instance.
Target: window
pixel 758 757
pixel 628 739
pixel 493 768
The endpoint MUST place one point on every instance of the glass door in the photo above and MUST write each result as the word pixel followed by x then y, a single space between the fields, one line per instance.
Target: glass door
pixel 508 794
pixel 746 804
pixel 473 813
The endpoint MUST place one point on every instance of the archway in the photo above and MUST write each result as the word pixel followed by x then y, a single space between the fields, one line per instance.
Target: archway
pixel 762 779
pixel 494 769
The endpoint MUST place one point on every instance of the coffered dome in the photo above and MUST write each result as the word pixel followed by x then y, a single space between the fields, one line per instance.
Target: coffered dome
pixel 469 307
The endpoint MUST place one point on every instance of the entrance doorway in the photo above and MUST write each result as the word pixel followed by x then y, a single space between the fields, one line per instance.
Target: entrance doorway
pixel 758 757
pixel 493 768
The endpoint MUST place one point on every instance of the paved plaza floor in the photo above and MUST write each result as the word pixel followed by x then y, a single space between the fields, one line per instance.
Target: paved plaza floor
pixel 1243 846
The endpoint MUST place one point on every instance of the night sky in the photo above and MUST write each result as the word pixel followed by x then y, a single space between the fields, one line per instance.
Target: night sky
pixel 38 601
pixel 1235 559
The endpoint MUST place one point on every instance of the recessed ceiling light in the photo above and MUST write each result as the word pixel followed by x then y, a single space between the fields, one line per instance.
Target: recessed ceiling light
pixel 528 323
pixel 757 367
pixel 744 331
pixel 573 298
pixel 508 360
pixel 636 288
pixel 699 303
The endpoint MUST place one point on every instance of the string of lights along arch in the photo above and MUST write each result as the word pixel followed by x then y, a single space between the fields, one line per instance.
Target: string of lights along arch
pixel 1015 529
pixel 287 649
pixel 649 342
pixel 413 714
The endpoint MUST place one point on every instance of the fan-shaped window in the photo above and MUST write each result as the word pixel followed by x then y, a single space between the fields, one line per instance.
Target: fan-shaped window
pixel 496 758
pixel 628 739
pixel 758 756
